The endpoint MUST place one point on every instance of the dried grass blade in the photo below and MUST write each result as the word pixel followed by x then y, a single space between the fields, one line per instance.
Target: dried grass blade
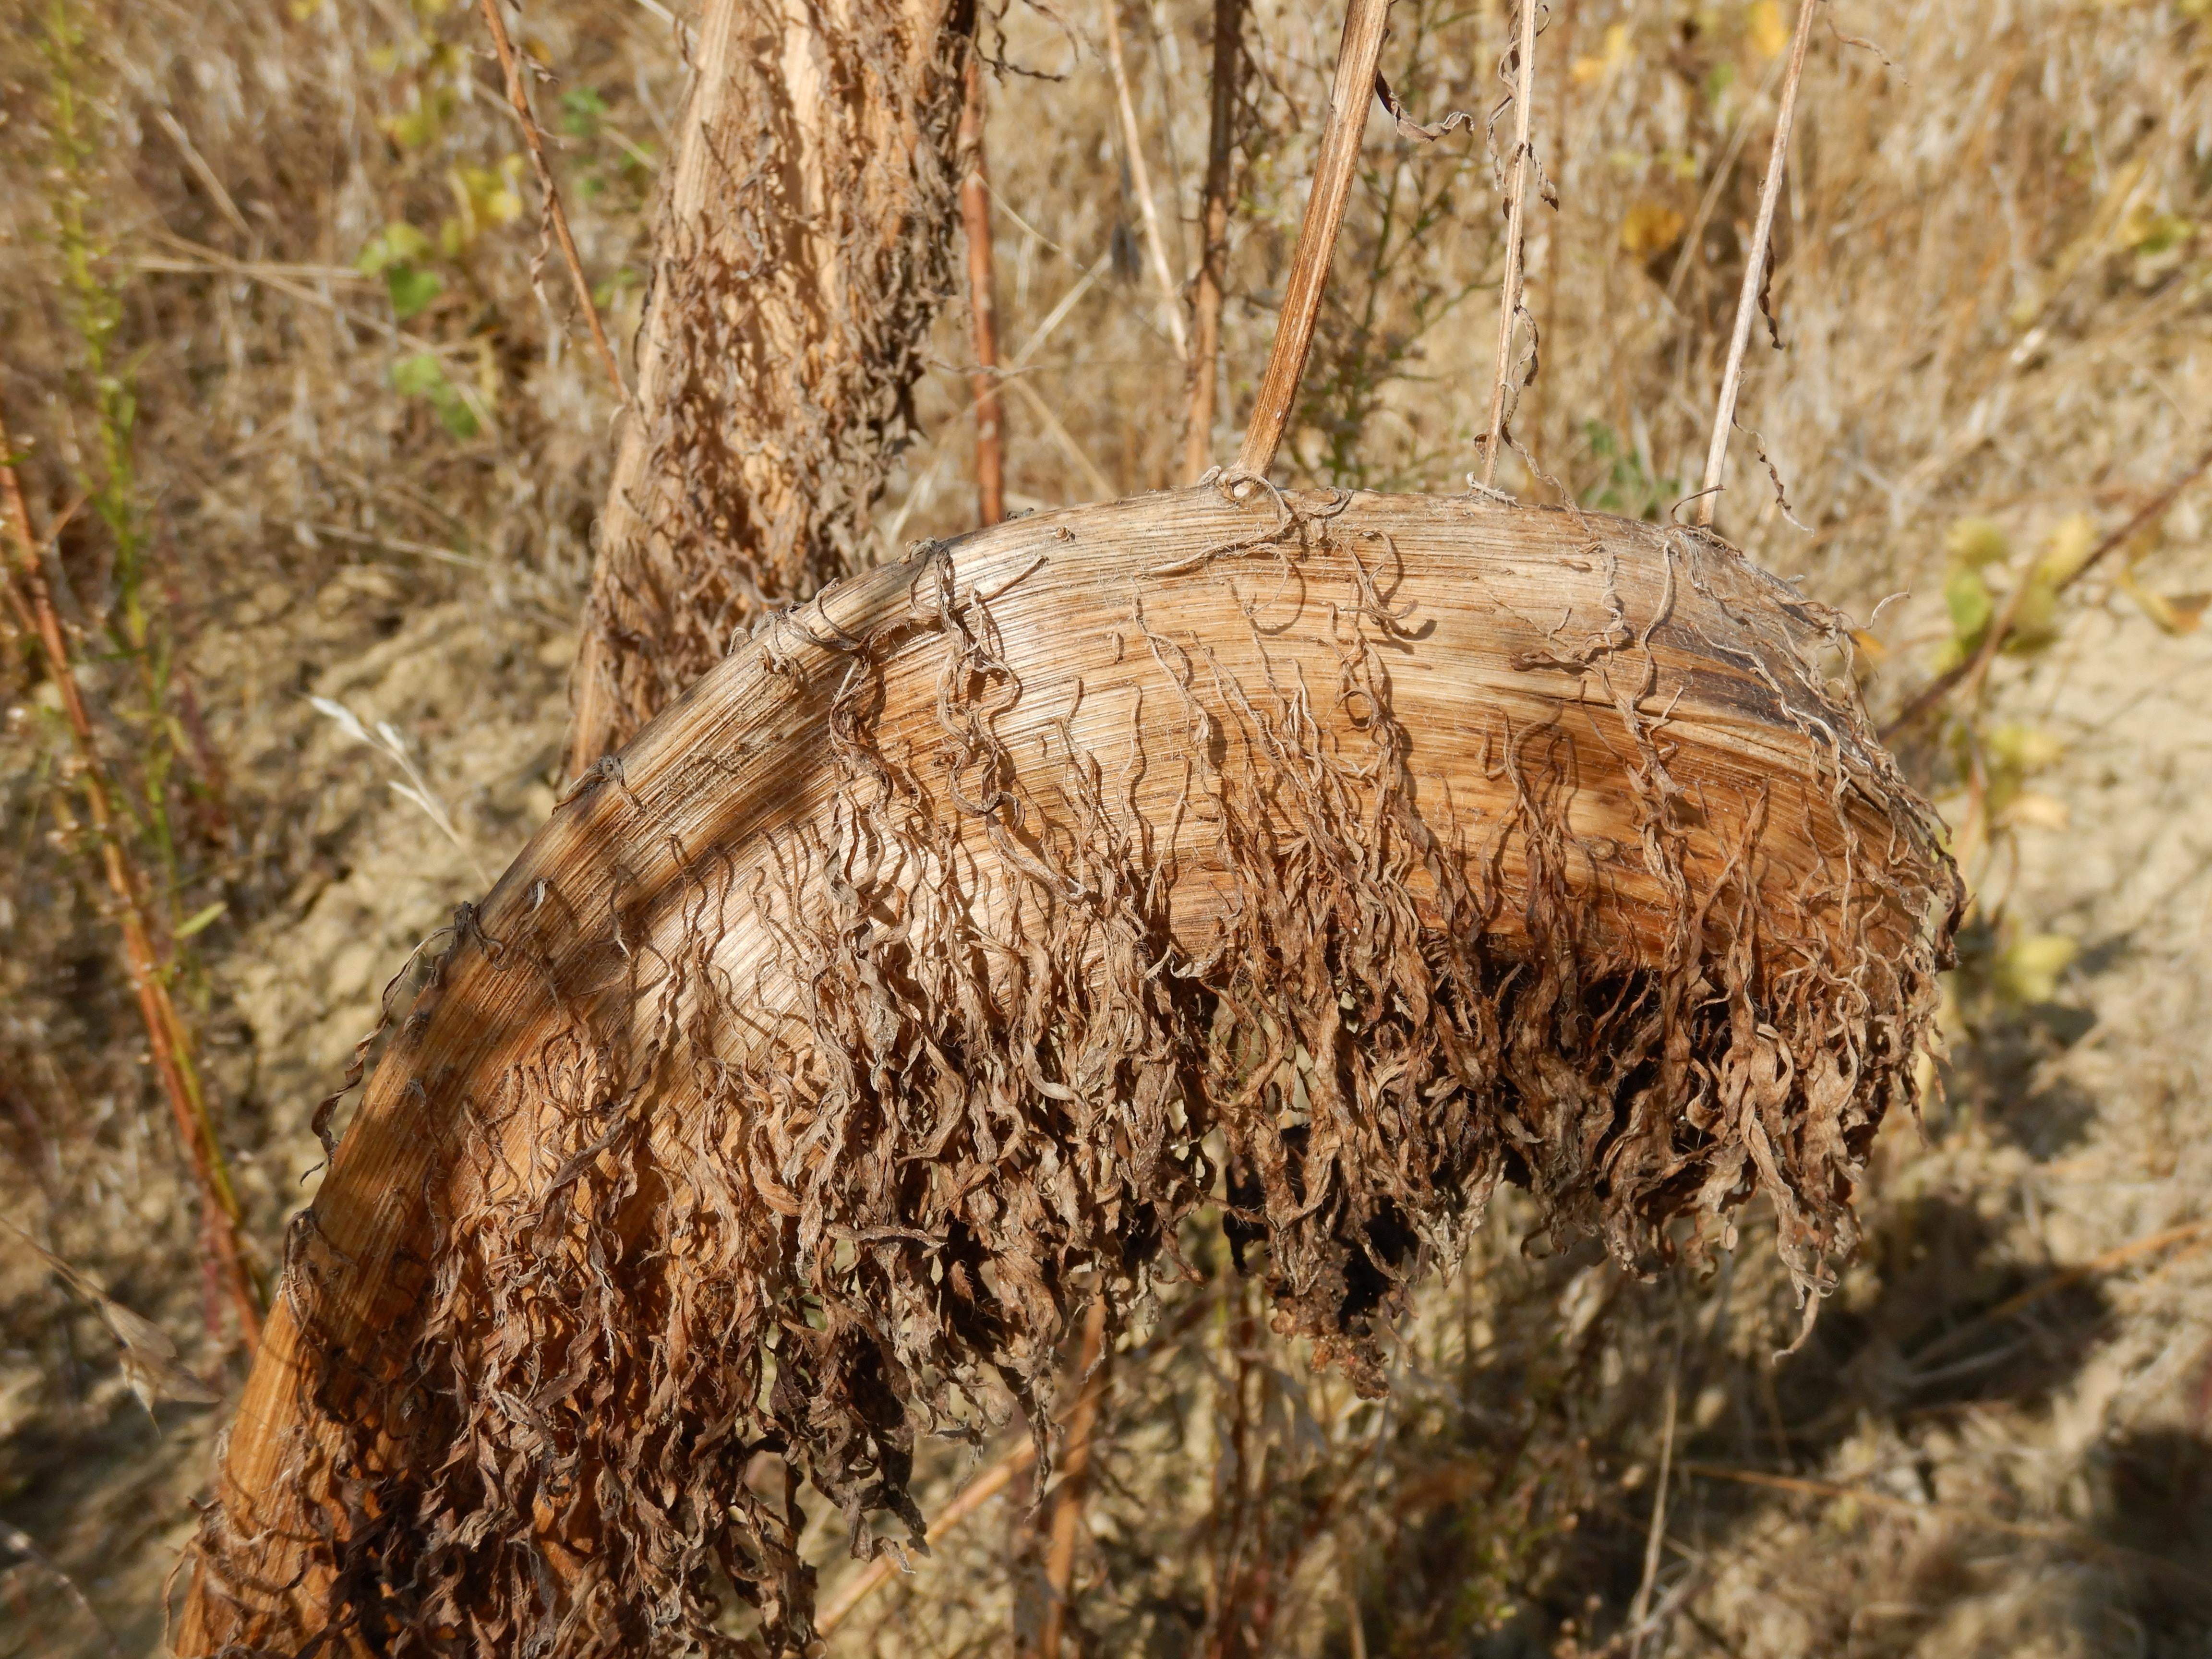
pixel 975 220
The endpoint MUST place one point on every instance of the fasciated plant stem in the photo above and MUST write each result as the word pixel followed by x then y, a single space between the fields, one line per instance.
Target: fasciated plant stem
pixel 167 1039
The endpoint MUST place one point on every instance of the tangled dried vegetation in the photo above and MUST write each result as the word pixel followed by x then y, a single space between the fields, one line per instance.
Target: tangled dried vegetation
pixel 367 457
pixel 926 969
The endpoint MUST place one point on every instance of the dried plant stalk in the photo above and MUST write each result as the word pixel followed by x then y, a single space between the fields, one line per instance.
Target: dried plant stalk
pixel 1067 1498
pixel 1140 180
pixel 982 303
pixel 896 981
pixel 1204 366
pixel 1516 225
pixel 1756 266
pixel 556 216
pixel 167 1042
pixel 805 246
pixel 1350 97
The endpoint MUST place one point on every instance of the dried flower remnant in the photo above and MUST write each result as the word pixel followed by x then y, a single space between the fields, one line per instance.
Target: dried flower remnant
pixel 796 1084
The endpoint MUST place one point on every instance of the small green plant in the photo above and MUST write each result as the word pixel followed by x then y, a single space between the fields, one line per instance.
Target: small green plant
pixel 396 253
pixel 130 844
pixel 422 375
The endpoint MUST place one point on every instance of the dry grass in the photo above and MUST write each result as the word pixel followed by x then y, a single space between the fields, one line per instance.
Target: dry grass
pixel 1993 277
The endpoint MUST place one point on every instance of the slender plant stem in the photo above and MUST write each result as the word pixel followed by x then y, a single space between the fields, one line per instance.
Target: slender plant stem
pixel 1001 1476
pixel 1656 1535
pixel 975 220
pixel 1141 177
pixel 1517 221
pixel 1068 1501
pixel 1978 666
pixel 166 1040
pixel 555 215
pixel 1206 301
pixel 1755 266
pixel 972 1497
pixel 1350 97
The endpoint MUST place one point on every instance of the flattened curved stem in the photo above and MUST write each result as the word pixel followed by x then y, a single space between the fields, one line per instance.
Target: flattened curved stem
pixel 901 974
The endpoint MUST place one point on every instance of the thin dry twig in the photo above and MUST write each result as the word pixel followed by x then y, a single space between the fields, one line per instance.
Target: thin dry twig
pixel 166 1038
pixel 2095 1267
pixel 1695 235
pixel 1978 666
pixel 24 1545
pixel 1656 1535
pixel 972 1497
pixel 1082 1428
pixel 1755 270
pixel 1349 100
pixel 1061 436
pixel 1140 180
pixel 150 1364
pixel 975 220
pixel 555 215
pixel 1516 213
pixel 1068 1499
pixel 1205 299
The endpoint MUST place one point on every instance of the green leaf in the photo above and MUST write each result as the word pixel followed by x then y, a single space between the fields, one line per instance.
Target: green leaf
pixel 397 244
pixel 1973 542
pixel 2029 970
pixel 423 376
pixel 200 919
pixel 411 290
pixel 582 109
pixel 455 414
pixel 1966 597
pixel 420 376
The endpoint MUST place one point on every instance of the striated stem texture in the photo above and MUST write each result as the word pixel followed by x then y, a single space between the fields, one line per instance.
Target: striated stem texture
pixel 906 974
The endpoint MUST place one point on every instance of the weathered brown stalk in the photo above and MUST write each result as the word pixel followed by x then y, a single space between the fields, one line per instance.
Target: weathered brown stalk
pixel 1018 1461
pixel 904 972
pixel 1750 298
pixel 804 247
pixel 1351 96
pixel 1140 180
pixel 167 1039
pixel 1205 362
pixel 1516 225
pixel 556 216
pixel 983 301
pixel 1067 1498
